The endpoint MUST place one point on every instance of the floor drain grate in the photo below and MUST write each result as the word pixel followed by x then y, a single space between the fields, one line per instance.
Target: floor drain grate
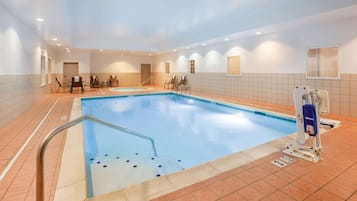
pixel 287 159
pixel 279 163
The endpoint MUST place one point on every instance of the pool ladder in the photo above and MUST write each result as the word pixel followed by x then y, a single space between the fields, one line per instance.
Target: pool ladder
pixel 40 162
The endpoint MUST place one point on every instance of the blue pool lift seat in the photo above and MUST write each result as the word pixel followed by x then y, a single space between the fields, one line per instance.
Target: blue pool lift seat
pixel 310 119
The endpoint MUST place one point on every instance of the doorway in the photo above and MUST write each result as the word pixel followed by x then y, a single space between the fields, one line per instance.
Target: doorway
pixel 70 69
pixel 145 74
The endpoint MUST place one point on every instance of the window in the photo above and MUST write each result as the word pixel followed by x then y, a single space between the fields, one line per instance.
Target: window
pixel 322 62
pixel 167 67
pixel 191 66
pixel 233 65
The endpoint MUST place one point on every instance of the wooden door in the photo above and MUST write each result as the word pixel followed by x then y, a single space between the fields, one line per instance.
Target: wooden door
pixel 145 74
pixel 70 70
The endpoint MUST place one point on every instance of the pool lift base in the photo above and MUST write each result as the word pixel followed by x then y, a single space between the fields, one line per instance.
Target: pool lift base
pixel 306 154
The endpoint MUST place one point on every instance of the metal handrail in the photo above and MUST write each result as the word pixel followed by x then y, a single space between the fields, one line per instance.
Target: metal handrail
pixel 145 81
pixel 40 158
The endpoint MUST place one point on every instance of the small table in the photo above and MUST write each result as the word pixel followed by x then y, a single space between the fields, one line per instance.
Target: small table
pixel 104 83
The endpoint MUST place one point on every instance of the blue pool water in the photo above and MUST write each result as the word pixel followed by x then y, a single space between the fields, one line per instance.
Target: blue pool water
pixel 187 132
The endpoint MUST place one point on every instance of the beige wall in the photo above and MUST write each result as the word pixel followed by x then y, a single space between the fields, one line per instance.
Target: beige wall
pixel 18 92
pixel 20 65
pixel 116 62
pixel 273 87
pixel 125 79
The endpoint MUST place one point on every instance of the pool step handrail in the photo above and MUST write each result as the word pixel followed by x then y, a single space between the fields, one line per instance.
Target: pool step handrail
pixel 40 157
pixel 145 81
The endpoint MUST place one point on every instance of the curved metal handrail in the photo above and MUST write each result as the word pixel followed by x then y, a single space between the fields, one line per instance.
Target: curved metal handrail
pixel 145 81
pixel 40 158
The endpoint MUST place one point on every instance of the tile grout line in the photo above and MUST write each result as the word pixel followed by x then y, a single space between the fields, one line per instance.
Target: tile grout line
pixel 13 160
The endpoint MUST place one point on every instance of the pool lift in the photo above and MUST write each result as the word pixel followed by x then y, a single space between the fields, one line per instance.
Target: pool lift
pixel 309 104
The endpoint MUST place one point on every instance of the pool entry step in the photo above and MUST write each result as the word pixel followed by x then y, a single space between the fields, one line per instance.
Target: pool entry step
pixel 113 172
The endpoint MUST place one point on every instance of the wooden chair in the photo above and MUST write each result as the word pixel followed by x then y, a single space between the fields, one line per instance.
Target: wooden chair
pixel 59 84
pixel 113 81
pixel 183 85
pixel 76 82
pixel 94 81
pixel 171 82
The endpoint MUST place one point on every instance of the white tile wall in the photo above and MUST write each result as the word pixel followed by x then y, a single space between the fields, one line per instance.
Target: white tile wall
pixel 273 87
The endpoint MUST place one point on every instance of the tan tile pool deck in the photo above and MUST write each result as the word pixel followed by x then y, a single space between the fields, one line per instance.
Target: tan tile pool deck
pixel 334 178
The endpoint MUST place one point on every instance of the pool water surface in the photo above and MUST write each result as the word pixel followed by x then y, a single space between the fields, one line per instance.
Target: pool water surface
pixel 187 132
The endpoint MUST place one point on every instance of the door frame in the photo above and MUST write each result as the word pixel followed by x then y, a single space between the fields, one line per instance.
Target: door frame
pixel 68 62
pixel 141 74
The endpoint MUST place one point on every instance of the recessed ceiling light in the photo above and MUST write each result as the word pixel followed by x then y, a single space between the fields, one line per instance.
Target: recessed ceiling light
pixel 174 50
pixel 132 52
pixel 54 39
pixel 149 55
pixel 226 39
pixel 68 51
pixel 38 19
pixel 203 44
pixel 59 44
pixel 101 50
pixel 187 47
pixel 258 33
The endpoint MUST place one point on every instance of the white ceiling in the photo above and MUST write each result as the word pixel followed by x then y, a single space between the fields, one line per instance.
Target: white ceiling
pixel 158 25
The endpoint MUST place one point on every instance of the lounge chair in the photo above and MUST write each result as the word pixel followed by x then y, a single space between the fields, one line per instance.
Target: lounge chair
pixel 182 85
pixel 76 82
pixel 59 84
pixel 171 82
pixel 113 81
pixel 94 81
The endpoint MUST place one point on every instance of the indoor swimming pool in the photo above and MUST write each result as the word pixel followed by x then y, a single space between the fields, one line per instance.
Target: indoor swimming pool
pixel 187 131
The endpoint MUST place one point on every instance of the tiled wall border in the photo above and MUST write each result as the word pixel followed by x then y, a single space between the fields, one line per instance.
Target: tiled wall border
pixel 18 93
pixel 125 79
pixel 273 87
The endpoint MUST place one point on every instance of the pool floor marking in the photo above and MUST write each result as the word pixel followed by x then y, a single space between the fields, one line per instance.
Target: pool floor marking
pixel 13 160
